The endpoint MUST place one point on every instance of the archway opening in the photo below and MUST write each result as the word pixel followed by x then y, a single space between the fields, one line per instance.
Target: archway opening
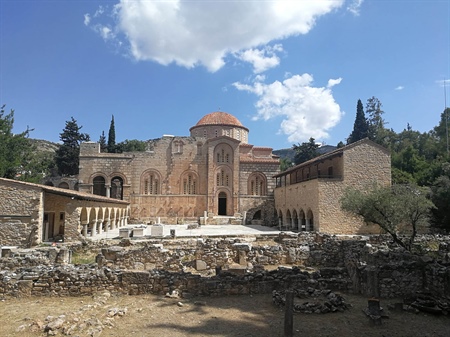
pixel 64 185
pixel 117 188
pixel 99 186
pixel 222 203
pixel 257 215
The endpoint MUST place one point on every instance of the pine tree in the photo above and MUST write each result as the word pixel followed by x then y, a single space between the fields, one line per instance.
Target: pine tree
pixel 102 142
pixel 15 149
pixel 360 127
pixel 67 155
pixel 112 137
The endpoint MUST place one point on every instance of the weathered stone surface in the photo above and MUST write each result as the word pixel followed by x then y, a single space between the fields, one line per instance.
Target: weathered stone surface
pixel 347 265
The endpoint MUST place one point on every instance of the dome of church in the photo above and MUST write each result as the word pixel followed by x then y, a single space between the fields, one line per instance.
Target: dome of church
pixel 219 118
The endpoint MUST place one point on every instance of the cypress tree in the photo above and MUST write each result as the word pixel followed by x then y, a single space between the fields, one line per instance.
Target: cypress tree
pixel 112 137
pixel 360 127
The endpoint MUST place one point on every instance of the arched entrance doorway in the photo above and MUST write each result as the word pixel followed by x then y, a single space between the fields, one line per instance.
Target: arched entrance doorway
pixel 222 204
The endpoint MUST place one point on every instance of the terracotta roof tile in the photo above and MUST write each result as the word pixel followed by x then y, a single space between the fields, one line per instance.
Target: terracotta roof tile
pixel 219 117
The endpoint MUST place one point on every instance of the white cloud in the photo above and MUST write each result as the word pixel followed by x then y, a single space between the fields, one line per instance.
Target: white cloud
pixel 400 87
pixel 355 7
pixel 307 111
pixel 192 33
pixel 87 19
pixel 261 59
pixel 333 82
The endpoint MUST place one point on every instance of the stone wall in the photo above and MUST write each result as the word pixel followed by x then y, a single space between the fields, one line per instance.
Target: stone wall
pixel 323 181
pixel 21 214
pixel 211 267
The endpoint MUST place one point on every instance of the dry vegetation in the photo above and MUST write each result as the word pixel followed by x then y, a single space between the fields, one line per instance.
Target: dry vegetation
pixel 150 315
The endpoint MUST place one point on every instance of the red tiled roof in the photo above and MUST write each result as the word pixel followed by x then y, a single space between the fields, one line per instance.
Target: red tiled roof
pixel 217 118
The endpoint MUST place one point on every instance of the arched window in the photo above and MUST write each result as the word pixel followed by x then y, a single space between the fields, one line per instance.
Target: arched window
pixel 150 183
pixel 223 154
pixel 177 146
pixel 257 184
pixel 189 184
pixel 222 178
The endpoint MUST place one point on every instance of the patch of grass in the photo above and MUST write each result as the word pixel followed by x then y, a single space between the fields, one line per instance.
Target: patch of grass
pixel 83 257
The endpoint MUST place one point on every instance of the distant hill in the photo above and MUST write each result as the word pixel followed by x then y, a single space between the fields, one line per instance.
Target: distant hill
pixel 44 145
pixel 290 153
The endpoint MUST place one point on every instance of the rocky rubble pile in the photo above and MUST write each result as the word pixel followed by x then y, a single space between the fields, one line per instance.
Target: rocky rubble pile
pixel 78 322
pixel 428 303
pixel 312 301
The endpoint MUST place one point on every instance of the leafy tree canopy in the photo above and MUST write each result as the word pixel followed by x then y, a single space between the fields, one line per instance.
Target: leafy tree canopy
pixel 305 151
pixel 285 163
pixel 15 149
pixel 391 208
pixel 131 146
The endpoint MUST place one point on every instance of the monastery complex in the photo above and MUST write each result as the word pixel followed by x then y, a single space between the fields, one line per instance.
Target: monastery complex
pixel 213 176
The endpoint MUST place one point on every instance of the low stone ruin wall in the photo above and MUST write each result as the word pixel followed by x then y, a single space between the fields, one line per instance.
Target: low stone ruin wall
pixel 87 280
pixel 216 267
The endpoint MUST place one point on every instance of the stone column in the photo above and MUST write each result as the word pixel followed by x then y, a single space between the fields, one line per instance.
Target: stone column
pixel 94 228
pixel 108 191
pixel 85 230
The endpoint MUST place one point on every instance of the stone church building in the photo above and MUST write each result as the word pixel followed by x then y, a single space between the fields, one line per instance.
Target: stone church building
pixel 210 174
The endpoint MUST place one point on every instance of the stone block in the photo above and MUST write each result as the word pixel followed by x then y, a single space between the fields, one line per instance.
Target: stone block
pixel 200 265
pixel 124 232
pixel 157 231
pixel 139 231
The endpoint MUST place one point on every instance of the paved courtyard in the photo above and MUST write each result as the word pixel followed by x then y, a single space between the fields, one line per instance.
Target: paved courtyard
pixel 205 230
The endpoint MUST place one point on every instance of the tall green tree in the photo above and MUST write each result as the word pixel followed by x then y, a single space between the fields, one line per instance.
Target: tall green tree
pixel 112 137
pixel 390 208
pixel 102 142
pixel 67 154
pixel 15 149
pixel 440 195
pixel 305 151
pixel 376 124
pixel 360 127
pixel 442 132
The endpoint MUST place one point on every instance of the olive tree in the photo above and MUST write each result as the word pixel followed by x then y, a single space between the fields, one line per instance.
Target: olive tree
pixel 390 208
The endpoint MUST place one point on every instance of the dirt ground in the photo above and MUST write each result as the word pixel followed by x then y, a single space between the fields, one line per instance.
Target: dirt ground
pixel 255 315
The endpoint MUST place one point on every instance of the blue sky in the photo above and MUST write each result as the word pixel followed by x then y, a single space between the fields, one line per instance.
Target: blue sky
pixel 288 70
